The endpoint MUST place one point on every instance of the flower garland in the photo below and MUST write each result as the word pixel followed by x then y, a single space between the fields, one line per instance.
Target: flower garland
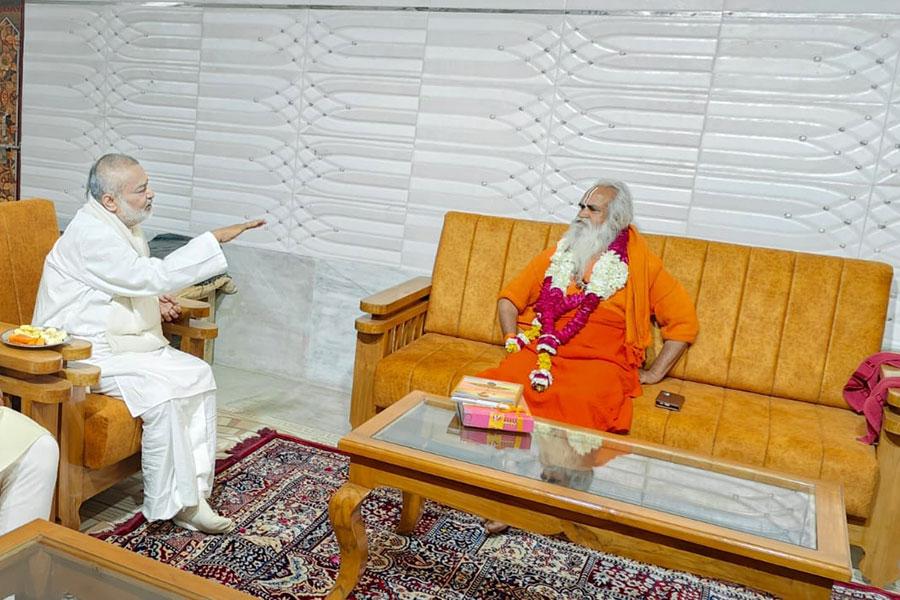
pixel 608 276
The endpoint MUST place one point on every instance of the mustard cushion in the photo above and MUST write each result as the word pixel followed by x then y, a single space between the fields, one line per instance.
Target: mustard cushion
pixel 798 438
pixel 433 363
pixel 110 432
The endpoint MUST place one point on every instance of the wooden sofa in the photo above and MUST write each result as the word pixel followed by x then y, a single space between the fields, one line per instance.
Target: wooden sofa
pixel 99 440
pixel 780 333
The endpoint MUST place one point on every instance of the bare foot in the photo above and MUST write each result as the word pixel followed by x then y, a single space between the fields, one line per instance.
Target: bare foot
pixel 495 527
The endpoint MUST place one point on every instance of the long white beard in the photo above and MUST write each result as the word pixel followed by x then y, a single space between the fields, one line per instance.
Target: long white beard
pixel 586 241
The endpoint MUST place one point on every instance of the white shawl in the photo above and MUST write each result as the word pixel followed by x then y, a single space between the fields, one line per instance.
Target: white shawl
pixel 134 323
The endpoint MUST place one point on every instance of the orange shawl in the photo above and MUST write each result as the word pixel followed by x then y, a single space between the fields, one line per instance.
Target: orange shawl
pixel 637 298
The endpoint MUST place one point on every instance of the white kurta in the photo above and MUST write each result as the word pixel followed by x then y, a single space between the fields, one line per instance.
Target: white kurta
pixel 90 272
pixel 99 284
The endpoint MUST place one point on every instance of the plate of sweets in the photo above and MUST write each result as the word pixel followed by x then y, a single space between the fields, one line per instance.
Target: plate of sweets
pixel 29 336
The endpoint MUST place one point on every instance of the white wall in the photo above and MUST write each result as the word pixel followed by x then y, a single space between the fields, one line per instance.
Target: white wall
pixel 354 129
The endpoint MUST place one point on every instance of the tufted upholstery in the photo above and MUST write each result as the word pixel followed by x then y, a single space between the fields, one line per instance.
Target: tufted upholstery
pixel 780 332
pixel 30 228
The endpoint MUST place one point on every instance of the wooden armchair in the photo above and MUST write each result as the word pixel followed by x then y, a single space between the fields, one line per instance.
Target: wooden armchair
pixel 99 440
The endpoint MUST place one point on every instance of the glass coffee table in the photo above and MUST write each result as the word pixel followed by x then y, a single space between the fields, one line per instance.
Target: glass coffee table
pixel 715 518
pixel 44 561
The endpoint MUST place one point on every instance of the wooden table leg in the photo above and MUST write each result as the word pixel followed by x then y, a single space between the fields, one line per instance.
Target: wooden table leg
pixel 346 520
pixel 409 515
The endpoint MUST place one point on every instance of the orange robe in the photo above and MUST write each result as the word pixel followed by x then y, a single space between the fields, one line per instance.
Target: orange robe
pixel 595 375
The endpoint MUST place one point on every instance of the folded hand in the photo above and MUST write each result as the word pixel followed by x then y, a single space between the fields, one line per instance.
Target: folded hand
pixel 169 309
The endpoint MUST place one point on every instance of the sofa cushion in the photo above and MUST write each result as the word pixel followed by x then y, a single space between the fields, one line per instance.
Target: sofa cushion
pixel 798 438
pixel 110 432
pixel 434 363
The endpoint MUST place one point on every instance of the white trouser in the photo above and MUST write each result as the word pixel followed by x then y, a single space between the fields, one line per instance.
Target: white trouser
pixel 178 454
pixel 27 485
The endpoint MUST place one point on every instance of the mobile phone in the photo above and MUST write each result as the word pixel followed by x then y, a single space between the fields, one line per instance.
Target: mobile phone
pixel 669 400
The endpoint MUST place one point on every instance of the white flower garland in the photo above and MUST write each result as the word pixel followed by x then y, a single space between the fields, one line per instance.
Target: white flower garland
pixel 608 276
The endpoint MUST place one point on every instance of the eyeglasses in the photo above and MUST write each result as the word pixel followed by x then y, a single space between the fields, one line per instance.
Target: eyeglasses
pixel 591 208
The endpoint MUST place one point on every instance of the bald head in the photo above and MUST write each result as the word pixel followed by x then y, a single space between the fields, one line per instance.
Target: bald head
pixel 120 185
pixel 107 175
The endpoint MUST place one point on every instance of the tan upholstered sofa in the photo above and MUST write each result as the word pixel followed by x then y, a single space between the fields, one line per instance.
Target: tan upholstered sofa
pixel 780 333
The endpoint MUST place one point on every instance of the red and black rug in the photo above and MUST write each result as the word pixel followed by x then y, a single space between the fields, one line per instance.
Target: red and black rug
pixel 277 488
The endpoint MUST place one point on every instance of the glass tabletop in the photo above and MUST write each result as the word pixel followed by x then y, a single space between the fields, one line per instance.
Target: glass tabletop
pixel 666 481
pixel 38 572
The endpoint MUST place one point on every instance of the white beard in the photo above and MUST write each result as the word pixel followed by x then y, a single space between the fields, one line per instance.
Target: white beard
pixel 132 216
pixel 586 241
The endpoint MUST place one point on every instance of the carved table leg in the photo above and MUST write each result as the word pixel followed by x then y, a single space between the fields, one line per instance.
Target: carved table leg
pixel 409 516
pixel 343 510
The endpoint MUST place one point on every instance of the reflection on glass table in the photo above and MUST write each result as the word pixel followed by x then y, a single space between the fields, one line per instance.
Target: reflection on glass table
pixel 612 467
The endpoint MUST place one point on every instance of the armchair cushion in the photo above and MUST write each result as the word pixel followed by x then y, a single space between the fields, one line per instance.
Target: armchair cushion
pixel 110 432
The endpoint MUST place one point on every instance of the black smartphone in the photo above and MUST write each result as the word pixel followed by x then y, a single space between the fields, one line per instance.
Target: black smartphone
pixel 669 400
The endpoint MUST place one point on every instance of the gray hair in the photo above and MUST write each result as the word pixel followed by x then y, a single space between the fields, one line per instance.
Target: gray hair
pixel 102 177
pixel 621 210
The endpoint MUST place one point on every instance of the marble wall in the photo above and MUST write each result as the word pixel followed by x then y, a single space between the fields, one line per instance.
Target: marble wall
pixel 293 315
pixel 354 127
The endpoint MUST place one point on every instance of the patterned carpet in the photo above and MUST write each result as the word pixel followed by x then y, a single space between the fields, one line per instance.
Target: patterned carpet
pixel 277 489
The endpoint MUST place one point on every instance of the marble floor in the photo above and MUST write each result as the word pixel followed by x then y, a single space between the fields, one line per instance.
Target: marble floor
pixel 247 402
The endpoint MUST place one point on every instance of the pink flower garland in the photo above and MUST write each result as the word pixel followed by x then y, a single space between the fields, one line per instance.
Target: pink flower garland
pixel 553 303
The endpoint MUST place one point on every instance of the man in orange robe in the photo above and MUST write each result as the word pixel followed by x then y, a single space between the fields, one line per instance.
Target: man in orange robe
pixel 600 369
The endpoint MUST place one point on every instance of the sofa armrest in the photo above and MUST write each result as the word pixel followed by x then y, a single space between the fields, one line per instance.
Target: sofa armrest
pixel 398 297
pixel 881 563
pixel 397 318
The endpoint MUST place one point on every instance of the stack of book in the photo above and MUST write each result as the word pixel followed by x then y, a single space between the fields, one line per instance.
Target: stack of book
pixel 492 404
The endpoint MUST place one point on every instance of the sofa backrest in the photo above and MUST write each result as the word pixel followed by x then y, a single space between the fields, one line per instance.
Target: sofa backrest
pixel 28 230
pixel 787 324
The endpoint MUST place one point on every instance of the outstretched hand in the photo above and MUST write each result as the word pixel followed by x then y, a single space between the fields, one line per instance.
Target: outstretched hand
pixel 226 234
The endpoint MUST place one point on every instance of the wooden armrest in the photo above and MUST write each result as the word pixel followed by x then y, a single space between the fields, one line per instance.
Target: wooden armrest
pixel 397 297
pixel 46 389
pixel 81 374
pixel 196 329
pixel 193 309
pixel 76 349
pixel 893 395
pixel 34 362
pixel 372 325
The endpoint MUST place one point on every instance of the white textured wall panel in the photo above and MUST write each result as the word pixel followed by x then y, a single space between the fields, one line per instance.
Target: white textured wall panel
pixel 248 118
pixel 63 102
pixel 356 138
pixel 486 101
pixel 354 130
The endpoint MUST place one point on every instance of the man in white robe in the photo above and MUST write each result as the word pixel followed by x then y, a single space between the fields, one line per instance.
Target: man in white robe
pixel 28 459
pixel 100 283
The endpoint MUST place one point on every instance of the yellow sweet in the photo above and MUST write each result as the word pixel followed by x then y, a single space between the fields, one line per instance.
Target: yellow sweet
pixel 47 335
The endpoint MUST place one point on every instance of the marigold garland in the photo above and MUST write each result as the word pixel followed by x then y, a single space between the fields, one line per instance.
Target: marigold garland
pixel 608 276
